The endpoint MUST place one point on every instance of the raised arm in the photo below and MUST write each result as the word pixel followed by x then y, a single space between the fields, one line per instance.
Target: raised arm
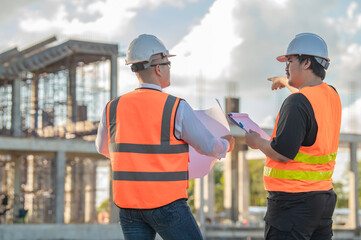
pixel 281 82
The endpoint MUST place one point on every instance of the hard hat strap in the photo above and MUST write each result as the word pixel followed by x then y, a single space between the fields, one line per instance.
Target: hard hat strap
pixel 136 67
pixel 324 63
pixel 143 65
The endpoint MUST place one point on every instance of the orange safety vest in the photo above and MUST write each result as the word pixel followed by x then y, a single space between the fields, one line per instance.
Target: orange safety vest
pixel 313 166
pixel 149 164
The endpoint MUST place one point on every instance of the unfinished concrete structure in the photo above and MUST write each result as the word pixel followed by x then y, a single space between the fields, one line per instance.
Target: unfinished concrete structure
pixel 51 97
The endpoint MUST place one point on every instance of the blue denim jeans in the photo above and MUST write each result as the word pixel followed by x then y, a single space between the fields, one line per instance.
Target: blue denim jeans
pixel 172 221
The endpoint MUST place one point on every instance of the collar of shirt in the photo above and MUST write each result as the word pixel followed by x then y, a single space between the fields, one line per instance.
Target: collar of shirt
pixel 150 85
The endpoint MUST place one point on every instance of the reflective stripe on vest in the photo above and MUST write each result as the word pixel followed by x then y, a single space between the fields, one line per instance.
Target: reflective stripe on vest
pixel 297 175
pixel 150 176
pixel 305 158
pixel 303 175
pixel 151 149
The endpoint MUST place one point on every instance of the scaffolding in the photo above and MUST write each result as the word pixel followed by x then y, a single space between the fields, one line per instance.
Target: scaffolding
pixel 5 107
pixel 62 88
pixel 58 92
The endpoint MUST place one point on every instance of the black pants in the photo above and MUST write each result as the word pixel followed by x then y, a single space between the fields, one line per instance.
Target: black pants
pixel 308 218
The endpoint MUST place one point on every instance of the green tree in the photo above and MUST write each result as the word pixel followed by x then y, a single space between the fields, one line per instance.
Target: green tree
pixel 104 206
pixel 342 196
pixel 258 193
pixel 190 192
pixel 218 185
pixel 218 169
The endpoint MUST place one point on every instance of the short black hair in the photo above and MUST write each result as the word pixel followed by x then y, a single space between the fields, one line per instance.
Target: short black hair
pixel 316 68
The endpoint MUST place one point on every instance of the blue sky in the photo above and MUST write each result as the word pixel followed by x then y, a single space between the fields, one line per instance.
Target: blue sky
pixel 229 46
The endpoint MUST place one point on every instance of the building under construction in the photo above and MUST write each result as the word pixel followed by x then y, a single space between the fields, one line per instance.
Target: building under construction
pixel 51 99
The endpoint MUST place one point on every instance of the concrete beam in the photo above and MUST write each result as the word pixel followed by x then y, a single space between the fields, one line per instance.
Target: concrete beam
pixel 47 145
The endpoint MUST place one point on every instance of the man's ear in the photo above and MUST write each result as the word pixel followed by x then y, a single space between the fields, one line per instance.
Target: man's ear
pixel 157 70
pixel 307 63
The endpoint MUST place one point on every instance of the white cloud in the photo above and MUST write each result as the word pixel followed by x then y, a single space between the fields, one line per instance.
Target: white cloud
pixel 281 3
pixel 351 10
pixel 106 19
pixel 206 50
pixel 351 23
pixel 351 59
pixel 348 70
pixel 351 118
pixel 114 15
pixel 232 49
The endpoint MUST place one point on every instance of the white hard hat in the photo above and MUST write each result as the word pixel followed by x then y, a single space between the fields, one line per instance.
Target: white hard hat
pixel 308 44
pixel 143 48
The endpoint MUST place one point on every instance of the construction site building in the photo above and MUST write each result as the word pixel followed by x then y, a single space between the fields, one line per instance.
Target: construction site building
pixel 51 99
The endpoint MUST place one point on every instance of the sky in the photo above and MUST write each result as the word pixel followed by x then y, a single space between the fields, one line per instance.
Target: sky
pixel 224 48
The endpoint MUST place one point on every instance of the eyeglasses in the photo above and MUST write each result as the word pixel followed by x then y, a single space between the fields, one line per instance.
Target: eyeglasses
pixel 288 59
pixel 287 63
pixel 165 63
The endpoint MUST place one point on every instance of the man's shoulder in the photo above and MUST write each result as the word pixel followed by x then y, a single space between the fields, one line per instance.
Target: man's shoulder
pixel 296 99
pixel 295 103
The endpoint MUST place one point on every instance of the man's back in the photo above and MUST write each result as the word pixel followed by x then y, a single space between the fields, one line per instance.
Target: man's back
pixel 150 166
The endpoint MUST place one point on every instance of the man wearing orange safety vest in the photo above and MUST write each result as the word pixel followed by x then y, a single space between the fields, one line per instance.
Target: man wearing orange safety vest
pixel 302 150
pixel 146 133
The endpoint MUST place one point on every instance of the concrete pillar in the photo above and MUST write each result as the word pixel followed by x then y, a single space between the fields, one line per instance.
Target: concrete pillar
pixel 15 111
pixel 60 186
pixel 73 193
pixel 17 185
pixel 231 185
pixel 29 188
pixel 228 185
pixel 2 179
pixel 209 196
pixel 93 214
pixel 34 103
pixel 71 97
pixel 90 191
pixel 231 172
pixel 113 209
pixel 80 196
pixel 2 190
pixel 113 76
pixel 208 200
pixel 198 200
pixel 232 105
pixel 68 194
pixel 353 194
pixel 9 184
pixel 244 183
pixel 77 192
